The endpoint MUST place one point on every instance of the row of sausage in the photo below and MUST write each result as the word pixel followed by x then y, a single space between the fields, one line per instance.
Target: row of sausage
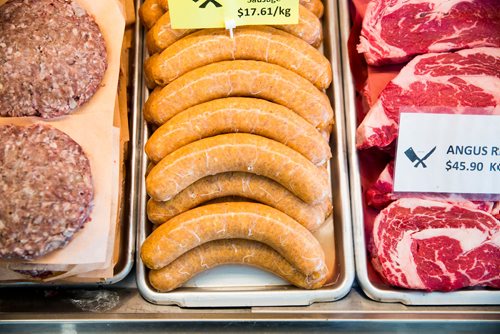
pixel 246 117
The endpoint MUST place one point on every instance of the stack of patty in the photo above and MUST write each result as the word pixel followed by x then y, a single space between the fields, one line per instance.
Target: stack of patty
pixel 52 60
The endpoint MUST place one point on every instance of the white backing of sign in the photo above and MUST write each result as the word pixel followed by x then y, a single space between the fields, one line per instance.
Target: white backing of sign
pixel 448 153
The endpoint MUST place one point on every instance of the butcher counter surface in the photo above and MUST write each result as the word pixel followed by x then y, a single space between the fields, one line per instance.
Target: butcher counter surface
pixel 120 308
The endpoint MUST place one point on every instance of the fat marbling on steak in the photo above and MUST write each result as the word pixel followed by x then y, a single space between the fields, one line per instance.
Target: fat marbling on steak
pixel 394 31
pixel 459 82
pixel 381 193
pixel 52 57
pixel 46 190
pixel 435 246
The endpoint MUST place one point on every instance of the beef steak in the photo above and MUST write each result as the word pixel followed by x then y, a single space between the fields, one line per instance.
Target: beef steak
pixel 381 193
pixel 458 82
pixel 435 246
pixel 394 31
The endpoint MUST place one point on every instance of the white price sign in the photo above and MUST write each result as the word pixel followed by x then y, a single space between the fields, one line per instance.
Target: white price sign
pixel 444 153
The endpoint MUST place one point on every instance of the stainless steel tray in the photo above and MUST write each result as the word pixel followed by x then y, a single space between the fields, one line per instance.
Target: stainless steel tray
pixel 366 275
pixel 265 295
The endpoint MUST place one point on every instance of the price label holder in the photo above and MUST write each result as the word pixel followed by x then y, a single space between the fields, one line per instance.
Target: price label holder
pixel 449 153
pixel 199 14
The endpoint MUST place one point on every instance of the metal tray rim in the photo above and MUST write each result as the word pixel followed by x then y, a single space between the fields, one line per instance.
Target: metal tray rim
pixel 294 296
pixel 463 297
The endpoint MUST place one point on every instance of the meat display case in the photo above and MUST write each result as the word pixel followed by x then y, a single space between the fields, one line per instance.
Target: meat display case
pixel 121 308
pixel 368 279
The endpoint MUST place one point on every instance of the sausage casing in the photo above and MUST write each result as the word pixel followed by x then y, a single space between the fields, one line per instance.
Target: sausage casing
pixel 230 251
pixel 314 6
pixel 246 185
pixel 251 43
pixel 240 78
pixel 150 12
pixel 237 153
pixel 239 114
pixel 240 220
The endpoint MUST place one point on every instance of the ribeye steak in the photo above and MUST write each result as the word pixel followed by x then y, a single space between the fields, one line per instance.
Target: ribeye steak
pixel 435 246
pixel 381 193
pixel 394 31
pixel 460 82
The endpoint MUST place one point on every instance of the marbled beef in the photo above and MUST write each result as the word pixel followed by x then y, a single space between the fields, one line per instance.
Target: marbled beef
pixel 466 82
pixel 435 246
pixel 394 31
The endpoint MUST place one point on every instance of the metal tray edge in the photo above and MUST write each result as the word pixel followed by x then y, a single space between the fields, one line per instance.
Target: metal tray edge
pixel 464 297
pixel 294 297
pixel 332 11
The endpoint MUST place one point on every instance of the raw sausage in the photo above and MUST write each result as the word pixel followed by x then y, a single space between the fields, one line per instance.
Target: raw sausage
pixel 239 114
pixel 309 28
pixel 314 6
pixel 164 4
pixel 232 251
pixel 162 35
pixel 254 43
pixel 240 78
pixel 237 153
pixel 150 12
pixel 250 186
pixel 239 220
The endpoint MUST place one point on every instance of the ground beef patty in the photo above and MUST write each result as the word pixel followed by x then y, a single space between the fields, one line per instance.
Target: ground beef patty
pixel 45 190
pixel 52 57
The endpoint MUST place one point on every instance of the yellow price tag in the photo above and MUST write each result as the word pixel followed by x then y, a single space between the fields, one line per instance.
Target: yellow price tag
pixel 199 14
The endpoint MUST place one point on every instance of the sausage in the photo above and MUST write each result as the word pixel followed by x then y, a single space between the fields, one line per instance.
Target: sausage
pixel 162 35
pixel 164 4
pixel 232 251
pixel 237 152
pixel 246 185
pixel 240 78
pixel 239 114
pixel 224 200
pixel 314 6
pixel 150 12
pixel 254 43
pixel 241 220
pixel 309 28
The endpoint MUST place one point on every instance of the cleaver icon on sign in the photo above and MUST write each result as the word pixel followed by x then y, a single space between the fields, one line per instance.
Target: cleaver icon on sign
pixel 207 2
pixel 410 154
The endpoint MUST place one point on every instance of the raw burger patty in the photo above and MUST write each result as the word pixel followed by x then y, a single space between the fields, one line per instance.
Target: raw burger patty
pixel 45 189
pixel 52 58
